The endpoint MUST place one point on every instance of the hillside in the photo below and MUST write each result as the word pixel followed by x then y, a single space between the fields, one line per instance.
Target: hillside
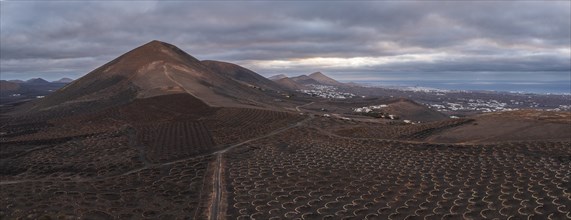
pixel 277 77
pixel 304 79
pixel 408 109
pixel 290 84
pixel 323 79
pixel 37 81
pixel 8 86
pixel 240 74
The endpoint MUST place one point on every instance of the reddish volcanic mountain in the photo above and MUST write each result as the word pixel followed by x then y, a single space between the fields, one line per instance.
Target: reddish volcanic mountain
pixel 156 69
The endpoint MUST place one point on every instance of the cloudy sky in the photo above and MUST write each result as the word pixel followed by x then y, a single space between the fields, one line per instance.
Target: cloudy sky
pixel 388 40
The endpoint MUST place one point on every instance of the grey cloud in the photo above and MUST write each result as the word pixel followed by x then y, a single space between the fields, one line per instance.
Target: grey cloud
pixel 74 37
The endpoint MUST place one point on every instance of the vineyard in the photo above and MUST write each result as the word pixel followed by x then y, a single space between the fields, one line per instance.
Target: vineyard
pixel 174 140
pixel 175 107
pixel 37 130
pixel 232 125
pixel 163 192
pixel 302 174
pixel 93 156
pixel 66 123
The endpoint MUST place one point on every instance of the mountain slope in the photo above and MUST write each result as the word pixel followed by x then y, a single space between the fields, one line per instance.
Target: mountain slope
pixel 289 83
pixel 304 79
pixel 323 79
pixel 153 69
pixel 240 74
pixel 37 81
pixel 8 86
pixel 277 77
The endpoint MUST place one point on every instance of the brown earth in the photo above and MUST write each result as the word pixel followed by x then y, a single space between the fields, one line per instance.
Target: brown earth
pixel 8 86
pixel 510 126
pixel 290 84
pixel 410 110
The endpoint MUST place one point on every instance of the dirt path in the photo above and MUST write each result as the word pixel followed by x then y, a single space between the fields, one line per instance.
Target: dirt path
pixel 299 106
pixel 218 186
pixel 217 189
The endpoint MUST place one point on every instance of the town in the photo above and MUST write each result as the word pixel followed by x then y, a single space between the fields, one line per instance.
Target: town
pixel 324 91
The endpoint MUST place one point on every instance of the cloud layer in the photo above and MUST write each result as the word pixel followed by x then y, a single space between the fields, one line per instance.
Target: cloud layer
pixel 348 40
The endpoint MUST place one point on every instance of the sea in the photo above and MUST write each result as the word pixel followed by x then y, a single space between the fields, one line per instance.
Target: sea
pixel 544 87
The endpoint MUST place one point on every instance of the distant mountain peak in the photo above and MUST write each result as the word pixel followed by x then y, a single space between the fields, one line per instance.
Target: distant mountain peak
pixel 304 79
pixel 277 77
pixel 323 79
pixel 315 74
pixel 37 81
pixel 156 43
